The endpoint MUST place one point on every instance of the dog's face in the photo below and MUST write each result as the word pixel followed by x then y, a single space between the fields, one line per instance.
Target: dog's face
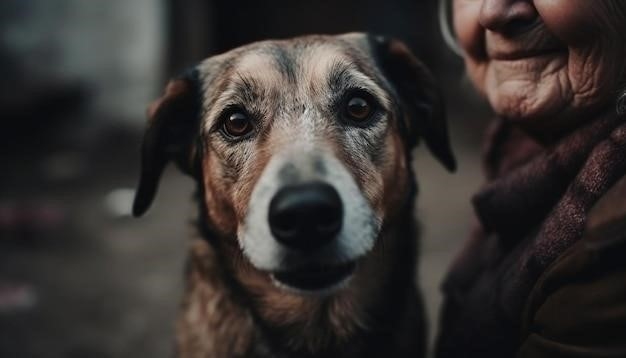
pixel 301 149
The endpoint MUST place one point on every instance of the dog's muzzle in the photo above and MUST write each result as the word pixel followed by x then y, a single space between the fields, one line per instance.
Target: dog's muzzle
pixel 308 223
pixel 307 217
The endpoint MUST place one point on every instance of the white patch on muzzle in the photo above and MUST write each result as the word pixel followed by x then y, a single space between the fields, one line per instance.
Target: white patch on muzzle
pixel 360 226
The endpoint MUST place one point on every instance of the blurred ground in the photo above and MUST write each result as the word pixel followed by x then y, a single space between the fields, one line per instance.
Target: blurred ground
pixel 92 283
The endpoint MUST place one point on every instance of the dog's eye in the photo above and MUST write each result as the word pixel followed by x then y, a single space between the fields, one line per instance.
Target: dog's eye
pixel 237 124
pixel 358 108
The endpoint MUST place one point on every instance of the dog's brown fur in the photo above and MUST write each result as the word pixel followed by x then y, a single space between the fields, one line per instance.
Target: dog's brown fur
pixel 231 308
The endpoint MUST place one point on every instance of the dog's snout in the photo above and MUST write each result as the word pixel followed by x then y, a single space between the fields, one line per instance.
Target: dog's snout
pixel 306 216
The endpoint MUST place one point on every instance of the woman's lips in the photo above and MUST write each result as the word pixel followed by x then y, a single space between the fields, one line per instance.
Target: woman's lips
pixel 536 42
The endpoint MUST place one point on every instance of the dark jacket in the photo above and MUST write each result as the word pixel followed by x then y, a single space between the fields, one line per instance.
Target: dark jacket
pixel 577 308
pixel 544 274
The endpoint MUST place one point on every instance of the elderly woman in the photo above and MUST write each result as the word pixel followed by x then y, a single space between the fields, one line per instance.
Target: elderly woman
pixel 544 273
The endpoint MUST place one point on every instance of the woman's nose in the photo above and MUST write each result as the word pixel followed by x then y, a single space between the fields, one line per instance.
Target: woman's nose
pixel 507 16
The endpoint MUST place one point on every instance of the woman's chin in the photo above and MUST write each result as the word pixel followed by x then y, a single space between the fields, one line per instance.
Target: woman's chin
pixel 548 122
pixel 536 108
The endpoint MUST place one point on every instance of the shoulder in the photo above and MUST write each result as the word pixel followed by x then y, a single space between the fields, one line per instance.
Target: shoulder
pixel 578 305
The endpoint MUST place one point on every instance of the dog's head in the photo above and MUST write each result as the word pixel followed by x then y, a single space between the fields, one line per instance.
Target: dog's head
pixel 301 149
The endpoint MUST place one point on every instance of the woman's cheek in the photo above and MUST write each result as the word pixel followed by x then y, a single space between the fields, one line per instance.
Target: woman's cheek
pixel 470 36
pixel 468 30
pixel 574 21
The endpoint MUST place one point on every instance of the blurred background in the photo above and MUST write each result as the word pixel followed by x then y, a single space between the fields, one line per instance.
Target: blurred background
pixel 78 276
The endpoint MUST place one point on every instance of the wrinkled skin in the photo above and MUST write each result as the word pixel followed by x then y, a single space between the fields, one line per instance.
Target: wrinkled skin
pixel 545 64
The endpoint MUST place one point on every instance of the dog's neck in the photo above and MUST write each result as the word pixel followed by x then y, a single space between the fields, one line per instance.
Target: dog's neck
pixel 218 318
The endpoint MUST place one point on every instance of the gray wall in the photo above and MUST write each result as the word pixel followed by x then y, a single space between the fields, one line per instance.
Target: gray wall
pixel 115 46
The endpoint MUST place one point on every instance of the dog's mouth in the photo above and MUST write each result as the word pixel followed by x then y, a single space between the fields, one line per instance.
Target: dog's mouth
pixel 315 278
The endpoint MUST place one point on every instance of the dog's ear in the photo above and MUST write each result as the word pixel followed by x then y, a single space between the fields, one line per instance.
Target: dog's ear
pixel 169 136
pixel 422 101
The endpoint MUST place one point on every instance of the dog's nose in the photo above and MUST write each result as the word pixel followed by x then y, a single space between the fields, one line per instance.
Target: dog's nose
pixel 306 216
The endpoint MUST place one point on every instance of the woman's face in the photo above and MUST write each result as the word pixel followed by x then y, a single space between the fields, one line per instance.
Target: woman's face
pixel 543 63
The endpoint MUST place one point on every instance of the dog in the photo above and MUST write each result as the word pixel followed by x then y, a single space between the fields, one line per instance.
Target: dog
pixel 301 151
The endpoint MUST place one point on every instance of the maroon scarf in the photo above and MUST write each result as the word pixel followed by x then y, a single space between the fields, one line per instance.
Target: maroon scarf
pixel 548 195
pixel 533 208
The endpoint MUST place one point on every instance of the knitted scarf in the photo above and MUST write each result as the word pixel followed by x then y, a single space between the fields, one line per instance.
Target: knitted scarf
pixel 548 196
